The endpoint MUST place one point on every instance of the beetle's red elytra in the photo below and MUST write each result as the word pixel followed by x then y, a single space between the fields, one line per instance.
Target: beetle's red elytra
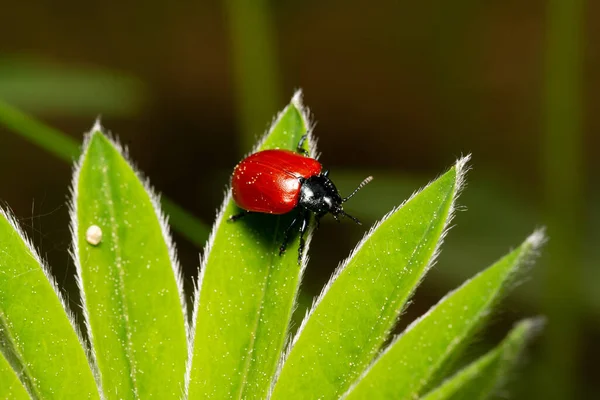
pixel 269 181
pixel 282 181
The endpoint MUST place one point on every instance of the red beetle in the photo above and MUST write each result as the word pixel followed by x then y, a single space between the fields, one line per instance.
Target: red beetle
pixel 282 181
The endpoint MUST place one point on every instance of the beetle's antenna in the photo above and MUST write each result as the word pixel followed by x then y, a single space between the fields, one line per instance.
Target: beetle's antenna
pixel 362 184
pixel 350 216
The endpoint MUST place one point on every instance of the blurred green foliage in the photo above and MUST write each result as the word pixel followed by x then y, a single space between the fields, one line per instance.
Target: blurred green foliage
pixel 564 177
pixel 37 86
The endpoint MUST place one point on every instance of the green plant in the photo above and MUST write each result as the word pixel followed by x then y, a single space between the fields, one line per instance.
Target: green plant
pixel 142 345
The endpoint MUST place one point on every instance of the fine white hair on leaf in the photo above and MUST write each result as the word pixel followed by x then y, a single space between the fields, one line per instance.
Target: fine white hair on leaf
pixel 8 215
pixel 97 127
pixel 260 142
pixel 198 288
pixel 297 103
pixel 461 169
pixel 312 145
pixel 304 112
pixel 163 219
pixel 75 251
pixel 309 123
pixel 288 340
pixel 530 251
pixel 156 206
pixel 536 240
pixel 192 333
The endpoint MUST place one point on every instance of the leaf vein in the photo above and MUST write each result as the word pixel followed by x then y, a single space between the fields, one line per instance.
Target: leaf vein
pixel 130 360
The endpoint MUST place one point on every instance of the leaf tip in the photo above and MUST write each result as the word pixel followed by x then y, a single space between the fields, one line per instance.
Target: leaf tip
pixel 537 239
pixel 462 167
pixel 298 103
pixel 97 127
pixel 523 332
pixel 533 326
pixel 461 163
pixel 297 100
pixel 530 248
pixel 93 137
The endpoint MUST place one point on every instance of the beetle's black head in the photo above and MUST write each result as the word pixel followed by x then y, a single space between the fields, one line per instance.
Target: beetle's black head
pixel 318 194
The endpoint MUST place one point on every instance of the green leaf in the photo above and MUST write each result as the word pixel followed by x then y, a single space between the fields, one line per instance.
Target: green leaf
pixel 10 385
pixel 37 336
pixel 353 316
pixel 246 291
pixel 486 375
pixel 433 341
pixel 130 280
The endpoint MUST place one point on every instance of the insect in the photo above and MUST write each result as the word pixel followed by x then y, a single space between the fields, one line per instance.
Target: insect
pixel 283 181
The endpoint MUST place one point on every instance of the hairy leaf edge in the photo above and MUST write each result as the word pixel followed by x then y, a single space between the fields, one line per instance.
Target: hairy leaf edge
pixel 162 220
pixel 530 251
pixel 296 102
pixel 462 168
pixel 532 327
pixel 8 215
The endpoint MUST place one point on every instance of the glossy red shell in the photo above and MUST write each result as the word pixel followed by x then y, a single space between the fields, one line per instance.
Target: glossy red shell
pixel 267 181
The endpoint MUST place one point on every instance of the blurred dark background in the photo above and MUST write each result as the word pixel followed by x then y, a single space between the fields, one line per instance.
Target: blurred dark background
pixel 399 90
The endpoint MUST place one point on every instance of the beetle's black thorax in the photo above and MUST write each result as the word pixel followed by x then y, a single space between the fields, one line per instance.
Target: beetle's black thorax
pixel 319 195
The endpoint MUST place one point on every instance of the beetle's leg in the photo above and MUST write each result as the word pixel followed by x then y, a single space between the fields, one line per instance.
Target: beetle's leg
pixel 318 219
pixel 235 217
pixel 303 228
pixel 286 235
pixel 301 149
pixel 325 172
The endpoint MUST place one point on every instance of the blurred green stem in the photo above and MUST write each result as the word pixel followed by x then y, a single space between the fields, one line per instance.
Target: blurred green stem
pixel 256 76
pixel 50 139
pixel 563 172
pixel 64 147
